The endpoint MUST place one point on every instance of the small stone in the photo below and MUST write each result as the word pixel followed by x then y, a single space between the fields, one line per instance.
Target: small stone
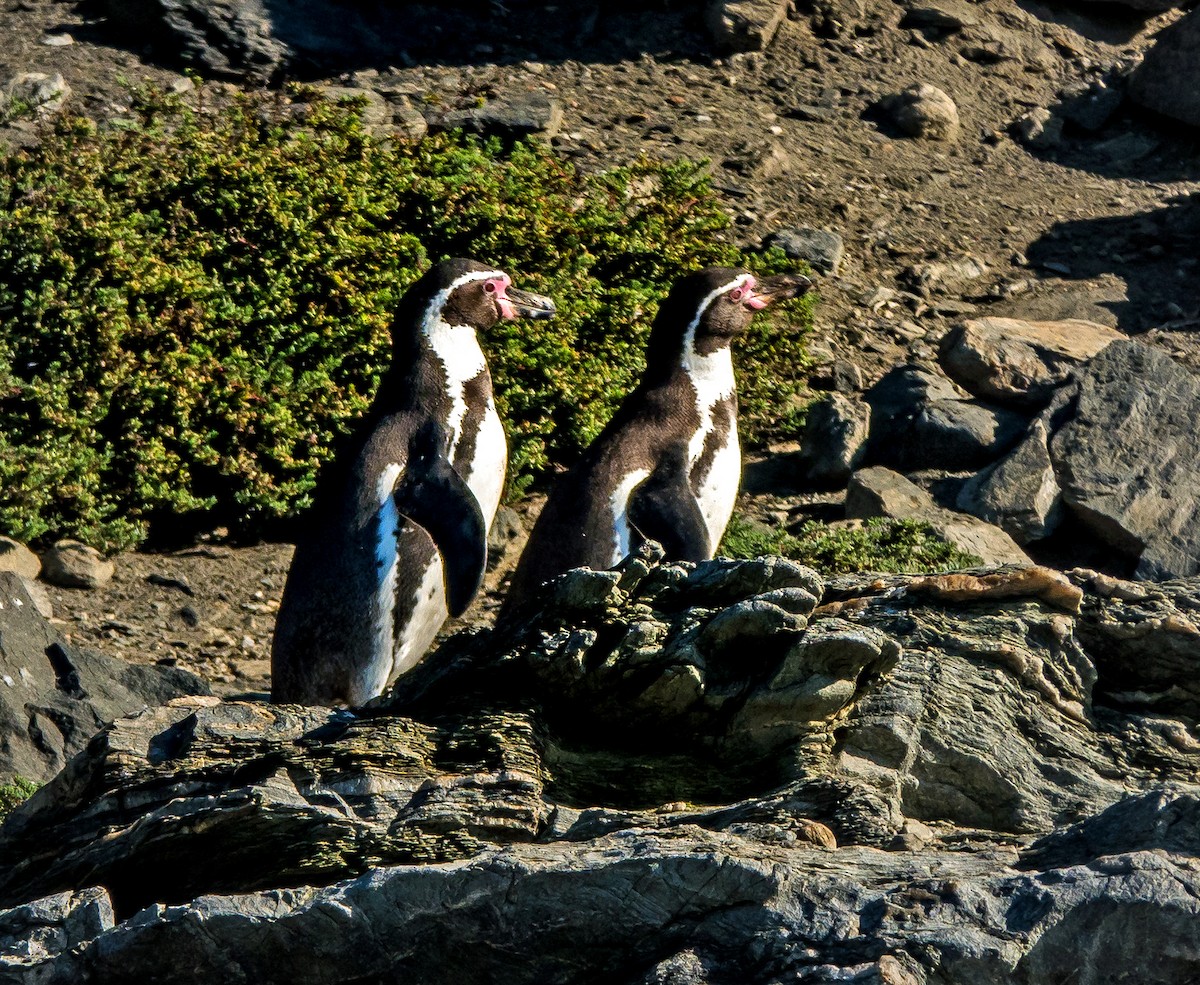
pixel 941 15
pixel 744 25
pixel 58 40
pixel 923 111
pixel 15 556
pixel 835 439
pixel 822 249
pixel 376 113
pixel 71 564
pixel 519 116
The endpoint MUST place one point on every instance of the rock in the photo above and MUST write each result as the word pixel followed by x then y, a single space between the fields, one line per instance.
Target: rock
pixel 819 248
pixel 946 276
pixel 34 91
pixel 520 116
pixel 45 928
pixel 940 15
pixel 1019 494
pixel 1168 80
pixel 18 558
pixel 1089 105
pixel 1127 456
pixel 228 37
pixel 1039 129
pixel 1019 362
pixel 835 438
pixel 882 492
pixel 409 121
pixel 506 533
pixel 526 786
pixel 923 111
pixel 375 111
pixel 54 698
pixel 71 564
pixel 744 25
pixel 920 419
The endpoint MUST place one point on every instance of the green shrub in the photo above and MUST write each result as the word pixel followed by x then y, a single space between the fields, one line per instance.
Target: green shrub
pixel 14 793
pixel 195 303
pixel 879 545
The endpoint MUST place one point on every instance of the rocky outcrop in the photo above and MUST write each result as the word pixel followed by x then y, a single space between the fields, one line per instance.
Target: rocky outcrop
pixel 944 778
pixel 55 697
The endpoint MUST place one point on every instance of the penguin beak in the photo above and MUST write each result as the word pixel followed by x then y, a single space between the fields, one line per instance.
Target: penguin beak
pixel 523 304
pixel 778 287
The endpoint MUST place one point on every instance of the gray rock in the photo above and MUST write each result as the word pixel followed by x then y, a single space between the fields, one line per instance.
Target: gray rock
pixel 881 492
pixel 36 92
pixel 1039 129
pixel 920 419
pixel 1019 494
pixel 71 564
pixel 835 438
pixel 519 116
pixel 946 276
pixel 506 533
pixel 820 248
pixel 1128 456
pixel 744 25
pixel 1168 80
pixel 1018 362
pixel 940 15
pixel 1089 105
pixel 923 111
pixel 409 121
pixel 376 113
pixel 16 557
pixel 54 698
pixel 450 819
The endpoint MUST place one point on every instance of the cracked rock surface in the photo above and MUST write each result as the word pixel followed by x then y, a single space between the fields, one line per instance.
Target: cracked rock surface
pixel 726 772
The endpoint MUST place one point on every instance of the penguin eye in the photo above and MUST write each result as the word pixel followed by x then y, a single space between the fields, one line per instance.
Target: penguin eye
pixel 736 294
pixel 489 286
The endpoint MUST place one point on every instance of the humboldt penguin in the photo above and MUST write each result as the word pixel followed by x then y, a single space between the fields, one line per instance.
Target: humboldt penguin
pixel 396 539
pixel 668 464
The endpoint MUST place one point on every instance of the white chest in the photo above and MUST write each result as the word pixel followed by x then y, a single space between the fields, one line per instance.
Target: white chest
pixel 715 485
pixel 457 348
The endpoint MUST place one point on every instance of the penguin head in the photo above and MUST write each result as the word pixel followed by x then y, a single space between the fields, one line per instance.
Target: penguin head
pixel 706 309
pixel 468 294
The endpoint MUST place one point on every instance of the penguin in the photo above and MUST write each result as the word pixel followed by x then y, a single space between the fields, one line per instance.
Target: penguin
pixel 668 465
pixel 396 539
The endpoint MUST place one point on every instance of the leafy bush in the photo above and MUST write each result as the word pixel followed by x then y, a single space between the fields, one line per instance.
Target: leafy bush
pixel 194 304
pixel 879 545
pixel 14 793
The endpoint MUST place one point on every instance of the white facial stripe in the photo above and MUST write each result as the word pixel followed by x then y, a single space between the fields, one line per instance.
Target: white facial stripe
pixel 689 337
pixel 433 313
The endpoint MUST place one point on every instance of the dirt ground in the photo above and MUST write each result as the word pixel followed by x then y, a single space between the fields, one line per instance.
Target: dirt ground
pixel 1101 225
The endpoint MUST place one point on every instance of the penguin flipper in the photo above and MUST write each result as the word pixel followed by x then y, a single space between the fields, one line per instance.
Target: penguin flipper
pixel 438 499
pixel 664 508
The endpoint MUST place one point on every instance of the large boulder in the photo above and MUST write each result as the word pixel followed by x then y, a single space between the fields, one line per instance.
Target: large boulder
pixel 1126 455
pixel 55 697
pixel 1012 361
pixel 921 419
pixel 1168 80
pixel 970 806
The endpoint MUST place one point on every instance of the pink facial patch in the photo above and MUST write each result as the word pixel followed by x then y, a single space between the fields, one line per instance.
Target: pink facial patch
pixel 497 286
pixel 747 296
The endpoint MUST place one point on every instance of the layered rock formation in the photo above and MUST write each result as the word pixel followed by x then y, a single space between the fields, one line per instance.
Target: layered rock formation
pixel 725 772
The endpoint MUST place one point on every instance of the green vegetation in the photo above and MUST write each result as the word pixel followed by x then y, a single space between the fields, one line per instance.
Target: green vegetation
pixel 193 304
pixel 14 793
pixel 879 545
